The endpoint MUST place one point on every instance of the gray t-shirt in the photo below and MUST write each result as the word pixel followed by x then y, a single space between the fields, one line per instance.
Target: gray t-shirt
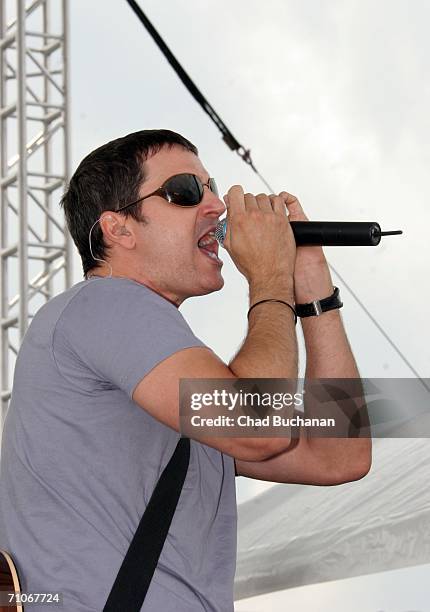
pixel 80 459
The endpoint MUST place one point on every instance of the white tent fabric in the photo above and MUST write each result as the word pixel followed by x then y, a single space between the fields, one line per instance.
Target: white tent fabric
pixel 293 535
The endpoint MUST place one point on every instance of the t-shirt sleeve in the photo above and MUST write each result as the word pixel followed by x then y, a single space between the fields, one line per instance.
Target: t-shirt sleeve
pixel 115 331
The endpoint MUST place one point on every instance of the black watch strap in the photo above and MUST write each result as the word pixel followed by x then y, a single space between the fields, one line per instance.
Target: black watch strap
pixel 317 307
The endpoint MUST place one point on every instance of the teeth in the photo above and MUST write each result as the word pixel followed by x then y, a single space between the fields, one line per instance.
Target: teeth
pixel 207 239
pixel 212 255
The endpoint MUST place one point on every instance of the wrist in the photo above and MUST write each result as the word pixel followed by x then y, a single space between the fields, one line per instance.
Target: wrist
pixel 314 286
pixel 317 307
pixel 280 287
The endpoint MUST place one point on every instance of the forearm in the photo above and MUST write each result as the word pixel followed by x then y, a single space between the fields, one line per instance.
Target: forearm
pixel 329 355
pixel 270 347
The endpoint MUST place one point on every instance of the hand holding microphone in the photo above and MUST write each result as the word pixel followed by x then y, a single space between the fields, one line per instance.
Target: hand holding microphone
pixel 328 233
pixel 259 239
pixel 262 239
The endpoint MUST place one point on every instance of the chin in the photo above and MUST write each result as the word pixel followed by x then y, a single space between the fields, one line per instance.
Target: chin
pixel 211 285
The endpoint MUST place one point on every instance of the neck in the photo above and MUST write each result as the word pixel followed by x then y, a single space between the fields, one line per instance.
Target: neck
pixel 167 295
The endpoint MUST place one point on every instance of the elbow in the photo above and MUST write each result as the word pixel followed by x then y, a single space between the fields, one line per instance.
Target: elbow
pixel 365 465
pixel 356 469
pixel 355 472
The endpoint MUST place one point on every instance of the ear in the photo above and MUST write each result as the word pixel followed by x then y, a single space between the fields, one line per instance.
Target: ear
pixel 113 228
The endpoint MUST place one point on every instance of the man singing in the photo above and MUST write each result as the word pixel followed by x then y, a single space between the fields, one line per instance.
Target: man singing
pixel 94 415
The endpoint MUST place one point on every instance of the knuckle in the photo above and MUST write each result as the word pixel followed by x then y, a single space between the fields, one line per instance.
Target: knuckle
pixel 271 221
pixel 277 199
pixel 255 215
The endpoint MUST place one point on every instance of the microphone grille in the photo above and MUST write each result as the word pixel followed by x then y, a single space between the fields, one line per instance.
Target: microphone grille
pixel 220 231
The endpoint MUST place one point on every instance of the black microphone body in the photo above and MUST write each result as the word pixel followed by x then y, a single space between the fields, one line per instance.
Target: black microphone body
pixel 328 233
pixel 336 233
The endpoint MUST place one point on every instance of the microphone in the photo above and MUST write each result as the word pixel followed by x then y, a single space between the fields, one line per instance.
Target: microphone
pixel 328 233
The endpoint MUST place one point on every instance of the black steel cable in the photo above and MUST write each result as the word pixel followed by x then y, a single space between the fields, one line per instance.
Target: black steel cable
pixel 380 328
pixel 227 136
pixel 245 154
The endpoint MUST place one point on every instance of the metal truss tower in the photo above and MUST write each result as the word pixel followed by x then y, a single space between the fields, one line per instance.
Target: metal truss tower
pixel 34 159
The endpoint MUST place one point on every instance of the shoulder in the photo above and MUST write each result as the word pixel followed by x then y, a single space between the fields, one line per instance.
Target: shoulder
pixel 116 296
pixel 123 308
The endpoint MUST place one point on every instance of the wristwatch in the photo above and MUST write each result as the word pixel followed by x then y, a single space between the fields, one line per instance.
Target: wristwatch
pixel 317 307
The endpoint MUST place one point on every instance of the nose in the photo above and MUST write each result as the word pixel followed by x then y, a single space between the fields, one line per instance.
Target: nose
pixel 211 204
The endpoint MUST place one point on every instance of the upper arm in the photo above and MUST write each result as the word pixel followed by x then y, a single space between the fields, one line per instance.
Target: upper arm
pixel 158 394
pixel 120 332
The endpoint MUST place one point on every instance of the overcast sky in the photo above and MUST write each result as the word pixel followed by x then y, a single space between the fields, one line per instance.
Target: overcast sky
pixel 332 97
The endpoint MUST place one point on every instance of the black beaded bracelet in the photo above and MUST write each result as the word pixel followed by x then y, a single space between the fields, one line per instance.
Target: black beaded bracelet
pixel 273 300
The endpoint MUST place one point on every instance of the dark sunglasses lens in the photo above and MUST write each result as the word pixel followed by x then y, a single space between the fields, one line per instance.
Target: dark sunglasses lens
pixel 184 189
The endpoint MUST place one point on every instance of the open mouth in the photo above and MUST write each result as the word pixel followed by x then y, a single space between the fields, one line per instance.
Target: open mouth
pixel 208 245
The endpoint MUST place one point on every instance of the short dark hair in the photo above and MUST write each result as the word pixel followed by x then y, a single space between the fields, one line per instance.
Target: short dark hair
pixel 107 178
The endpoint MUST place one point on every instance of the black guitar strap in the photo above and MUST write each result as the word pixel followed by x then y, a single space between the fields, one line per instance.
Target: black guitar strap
pixel 135 574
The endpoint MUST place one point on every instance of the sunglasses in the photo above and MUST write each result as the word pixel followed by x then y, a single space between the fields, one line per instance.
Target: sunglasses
pixel 181 189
